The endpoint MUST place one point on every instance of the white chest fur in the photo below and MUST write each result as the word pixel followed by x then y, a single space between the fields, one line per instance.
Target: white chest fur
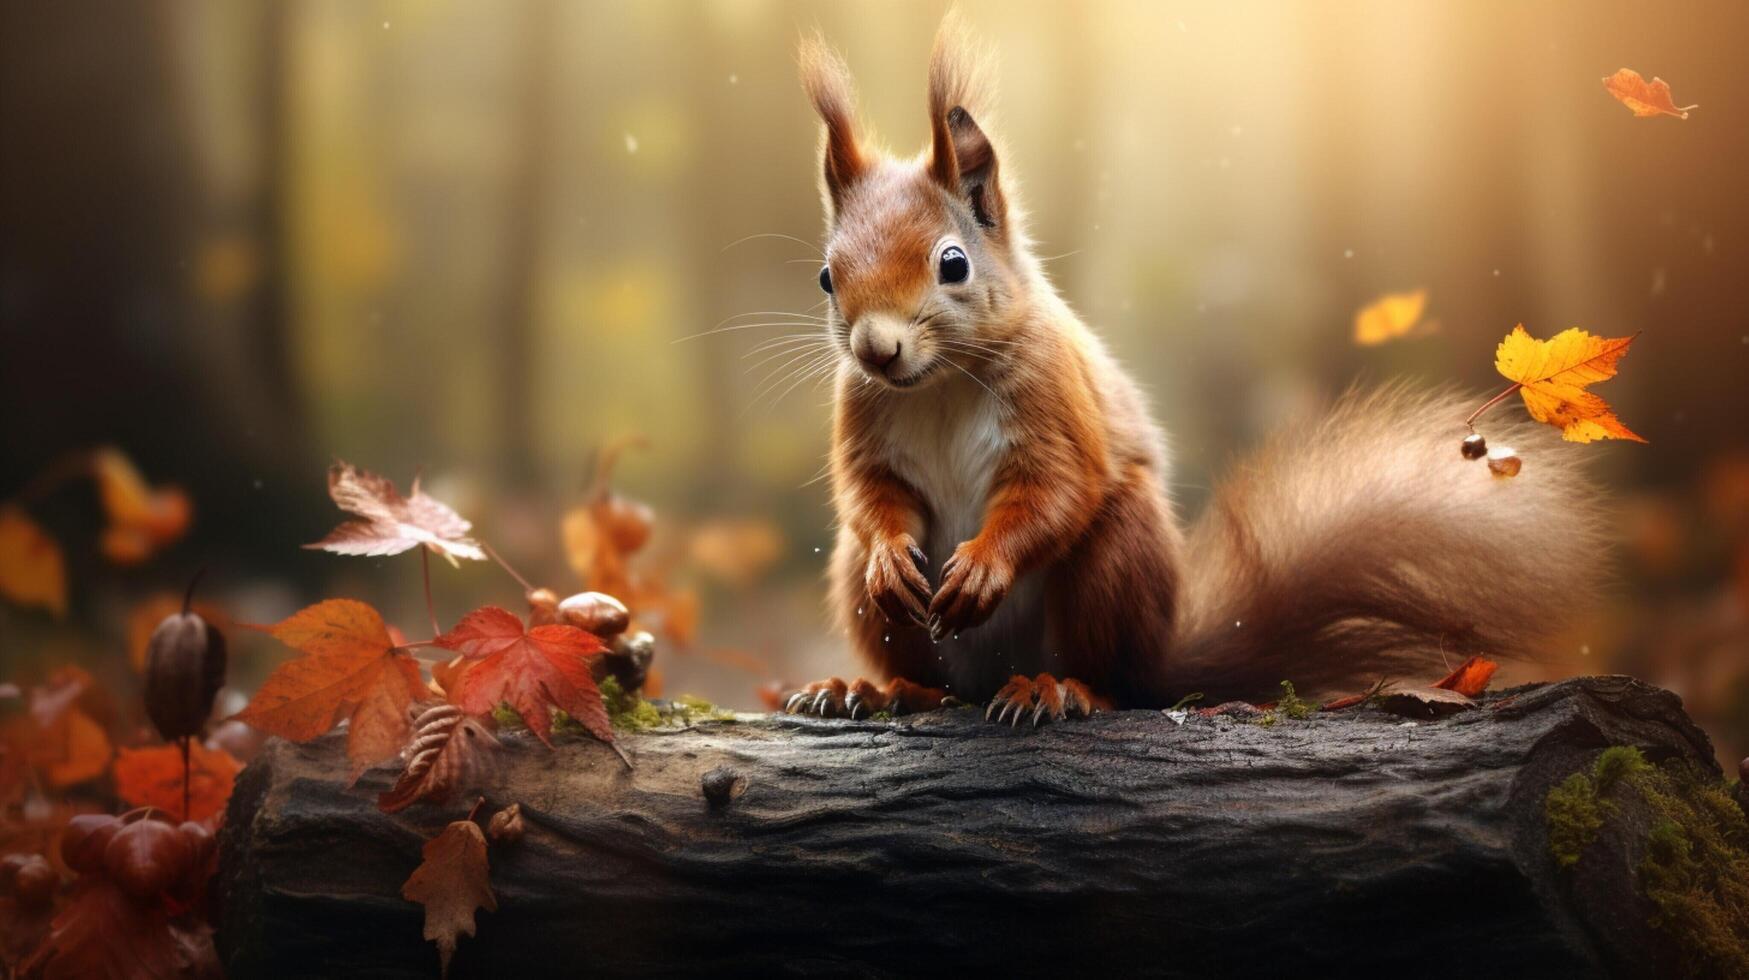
pixel 947 442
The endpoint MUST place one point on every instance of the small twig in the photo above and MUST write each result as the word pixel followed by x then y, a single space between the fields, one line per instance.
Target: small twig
pixel 495 556
pixel 1470 423
pixel 430 610
pixel 472 813
pixel 188 597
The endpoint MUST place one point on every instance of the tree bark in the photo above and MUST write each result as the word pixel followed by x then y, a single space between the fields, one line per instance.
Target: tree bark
pixel 941 842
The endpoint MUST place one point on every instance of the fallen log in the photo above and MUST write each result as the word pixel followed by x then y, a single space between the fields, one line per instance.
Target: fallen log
pixel 1129 841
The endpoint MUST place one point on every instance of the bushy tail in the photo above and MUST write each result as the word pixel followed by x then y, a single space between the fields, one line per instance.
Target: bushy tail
pixel 1363 545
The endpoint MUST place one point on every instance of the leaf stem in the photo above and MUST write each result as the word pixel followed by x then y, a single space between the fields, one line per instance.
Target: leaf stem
pixel 67 466
pixel 185 777
pixel 1470 423
pixel 430 610
pixel 495 556
pixel 188 597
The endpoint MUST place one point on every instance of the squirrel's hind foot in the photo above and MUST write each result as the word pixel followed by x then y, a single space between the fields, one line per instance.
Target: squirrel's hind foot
pixel 861 698
pixel 1041 698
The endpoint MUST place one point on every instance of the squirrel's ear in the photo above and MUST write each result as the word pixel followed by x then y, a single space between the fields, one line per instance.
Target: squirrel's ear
pixel 827 82
pixel 961 158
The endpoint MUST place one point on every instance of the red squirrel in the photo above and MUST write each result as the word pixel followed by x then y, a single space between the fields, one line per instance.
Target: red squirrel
pixel 1005 533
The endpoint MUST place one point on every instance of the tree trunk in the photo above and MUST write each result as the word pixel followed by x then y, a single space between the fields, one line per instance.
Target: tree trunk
pixel 941 842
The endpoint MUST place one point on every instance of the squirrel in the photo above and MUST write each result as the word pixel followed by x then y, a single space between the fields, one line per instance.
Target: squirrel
pixel 1005 533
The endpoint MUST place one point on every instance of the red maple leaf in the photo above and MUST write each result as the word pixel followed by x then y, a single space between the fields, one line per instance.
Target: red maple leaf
pixel 533 670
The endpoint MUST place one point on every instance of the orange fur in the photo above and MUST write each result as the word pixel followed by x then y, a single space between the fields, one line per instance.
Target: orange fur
pixel 1000 484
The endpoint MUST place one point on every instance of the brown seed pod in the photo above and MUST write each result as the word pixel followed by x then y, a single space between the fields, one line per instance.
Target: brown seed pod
pixel 34 883
pixel 1473 446
pixel 543 607
pixel 147 857
pixel 9 866
pixel 595 612
pixel 1503 462
pixel 85 839
pixel 628 522
pixel 506 826
pixel 185 667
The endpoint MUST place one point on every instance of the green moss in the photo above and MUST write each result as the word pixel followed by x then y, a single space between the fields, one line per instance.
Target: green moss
pixel 691 707
pixel 1695 864
pixel 1617 763
pixel 1696 869
pixel 626 710
pixel 1291 705
pixel 1574 815
pixel 506 717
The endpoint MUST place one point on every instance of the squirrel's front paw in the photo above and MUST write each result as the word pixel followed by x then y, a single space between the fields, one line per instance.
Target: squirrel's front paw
pixel 1042 698
pixel 973 583
pixel 895 579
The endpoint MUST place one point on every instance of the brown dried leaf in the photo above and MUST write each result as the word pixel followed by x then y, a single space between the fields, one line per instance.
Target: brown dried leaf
pixel 451 882
pixel 448 752
pixel 392 523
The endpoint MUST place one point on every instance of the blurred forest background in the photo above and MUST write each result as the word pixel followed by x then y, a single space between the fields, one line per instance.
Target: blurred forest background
pixel 239 240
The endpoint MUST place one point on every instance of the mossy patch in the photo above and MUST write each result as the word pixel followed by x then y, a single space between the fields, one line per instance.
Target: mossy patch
pixel 625 709
pixel 1292 705
pixel 1695 865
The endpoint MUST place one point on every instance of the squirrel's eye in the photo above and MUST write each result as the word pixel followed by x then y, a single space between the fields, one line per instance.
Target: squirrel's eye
pixel 955 267
pixel 826 279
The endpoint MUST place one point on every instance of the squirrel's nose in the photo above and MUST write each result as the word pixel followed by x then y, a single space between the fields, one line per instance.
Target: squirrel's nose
pixel 876 345
pixel 874 358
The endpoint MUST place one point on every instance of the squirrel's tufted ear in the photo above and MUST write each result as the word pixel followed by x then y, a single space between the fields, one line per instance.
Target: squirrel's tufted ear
pixel 961 157
pixel 828 85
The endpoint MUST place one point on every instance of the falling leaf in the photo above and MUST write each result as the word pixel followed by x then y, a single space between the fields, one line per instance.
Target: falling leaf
pixel 104 933
pixel 1644 98
pixel 736 552
pixel 1389 317
pixel 142 520
pixel 153 777
pixel 1470 678
pixel 534 670
pixel 350 671
pixel 1554 374
pixel 390 522
pixel 447 753
pixel 32 571
pixel 451 882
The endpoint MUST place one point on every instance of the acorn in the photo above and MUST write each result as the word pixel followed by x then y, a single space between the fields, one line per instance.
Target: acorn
pixel 84 841
pixel 595 612
pixel 1503 462
pixel 627 660
pixel 1474 446
pixel 506 826
pixel 185 667
pixel 147 857
pixel 719 785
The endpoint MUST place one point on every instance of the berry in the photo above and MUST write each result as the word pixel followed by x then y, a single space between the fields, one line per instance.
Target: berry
pixel 1474 446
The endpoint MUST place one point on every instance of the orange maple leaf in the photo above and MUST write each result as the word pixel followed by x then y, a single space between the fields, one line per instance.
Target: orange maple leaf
pixel 392 523
pixel 351 670
pixel 1552 376
pixel 452 880
pixel 1642 97
pixel 142 520
pixel 1470 678
pixel 153 777
pixel 1389 317
pixel 32 571
pixel 534 670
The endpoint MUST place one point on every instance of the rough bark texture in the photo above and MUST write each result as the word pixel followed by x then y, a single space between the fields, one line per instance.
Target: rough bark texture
pixel 1346 841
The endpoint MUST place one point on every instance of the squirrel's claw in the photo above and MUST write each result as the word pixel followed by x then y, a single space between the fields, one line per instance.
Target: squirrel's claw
pixel 833 698
pixel 1043 698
